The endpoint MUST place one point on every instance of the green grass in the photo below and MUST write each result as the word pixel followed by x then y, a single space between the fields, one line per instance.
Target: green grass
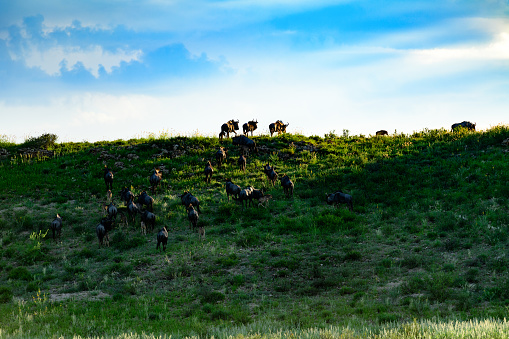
pixel 427 239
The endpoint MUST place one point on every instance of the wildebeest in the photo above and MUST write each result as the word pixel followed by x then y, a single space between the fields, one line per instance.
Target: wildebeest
pixel 244 142
pixel 162 238
pixel 111 210
pixel 126 195
pixel 208 171
pixel 56 226
pixel 250 126
pixel 145 200
pixel 232 189
pixel 278 127
pixel 256 194
pixel 155 179
pixel 221 135
pixel 271 173
pixel 465 124
pixel 149 219
pixel 220 156
pixel 263 201
pixel 108 177
pixel 242 163
pixel 339 198
pixel 382 132
pixel 132 209
pixel 102 231
pixel 287 185
pixel 187 198
pixel 192 215
pixel 229 127
pixel 245 195
pixel 109 196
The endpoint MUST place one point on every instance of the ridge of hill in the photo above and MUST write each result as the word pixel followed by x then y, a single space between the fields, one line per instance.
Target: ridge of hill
pixel 427 238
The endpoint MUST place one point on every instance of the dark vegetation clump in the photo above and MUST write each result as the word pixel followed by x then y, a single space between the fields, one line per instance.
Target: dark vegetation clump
pixel 44 141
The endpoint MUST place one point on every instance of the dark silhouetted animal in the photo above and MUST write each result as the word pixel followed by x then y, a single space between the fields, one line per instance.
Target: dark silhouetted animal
pixel 244 142
pixel 145 200
pixel 192 215
pixel 111 210
pixel 187 199
pixel 465 124
pixel 271 173
pixel 126 195
pixel 56 226
pixel 208 171
pixel 278 127
pixel 162 238
pixel 232 189
pixel 242 163
pixel 287 185
pixel 256 194
pixel 102 231
pixel 229 127
pixel 132 210
pixel 155 179
pixel 220 156
pixel 245 195
pixel 382 132
pixel 339 198
pixel 250 126
pixel 108 178
pixel 221 135
pixel 149 219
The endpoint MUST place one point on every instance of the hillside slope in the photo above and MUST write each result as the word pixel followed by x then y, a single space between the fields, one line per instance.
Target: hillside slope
pixel 428 235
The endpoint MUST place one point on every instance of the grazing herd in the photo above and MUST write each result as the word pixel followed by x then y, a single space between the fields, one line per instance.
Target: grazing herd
pixel 143 204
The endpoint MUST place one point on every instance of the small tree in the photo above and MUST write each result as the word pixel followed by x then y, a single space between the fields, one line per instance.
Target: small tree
pixel 44 141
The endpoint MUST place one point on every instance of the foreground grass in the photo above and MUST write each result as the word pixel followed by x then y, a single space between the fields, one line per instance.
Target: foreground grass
pixel 427 239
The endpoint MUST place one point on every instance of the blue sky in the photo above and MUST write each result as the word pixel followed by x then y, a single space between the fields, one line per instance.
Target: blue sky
pixel 106 70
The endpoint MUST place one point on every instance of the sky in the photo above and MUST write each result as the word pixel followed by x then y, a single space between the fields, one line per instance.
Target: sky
pixel 119 69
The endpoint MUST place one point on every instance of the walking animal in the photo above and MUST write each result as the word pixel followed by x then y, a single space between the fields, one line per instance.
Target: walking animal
pixel 148 219
pixel 102 231
pixel 232 189
pixel 465 124
pixel 245 195
pixel 145 200
pixel 382 132
pixel 126 195
pixel 187 198
pixel 229 127
pixel 287 185
pixel 208 171
pixel 155 179
pixel 192 215
pixel 271 173
pixel 111 210
pixel 242 163
pixel 245 143
pixel 162 238
pixel 220 156
pixel 56 226
pixel 108 178
pixel 263 201
pixel 250 126
pixel 339 198
pixel 278 127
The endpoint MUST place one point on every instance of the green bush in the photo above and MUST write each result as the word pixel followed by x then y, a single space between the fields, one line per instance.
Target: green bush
pixel 44 141
pixel 5 294
pixel 20 273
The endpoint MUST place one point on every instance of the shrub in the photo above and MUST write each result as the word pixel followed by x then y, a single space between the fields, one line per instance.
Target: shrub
pixel 5 294
pixel 44 141
pixel 20 273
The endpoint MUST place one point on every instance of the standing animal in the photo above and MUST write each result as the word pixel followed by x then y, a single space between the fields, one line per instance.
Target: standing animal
pixel 109 196
pixel 278 127
pixel 245 142
pixel 132 210
pixel 108 178
pixel 263 201
pixel 339 198
pixel 256 194
pixel 145 200
pixel 56 226
pixel 232 189
pixel 162 238
pixel 242 163
pixel 382 132
pixel 208 171
pixel 187 198
pixel 102 231
pixel 111 210
pixel 250 126
pixel 287 185
pixel 155 179
pixel 229 127
pixel 245 195
pixel 148 219
pixel 126 195
pixel 465 124
pixel 192 215
pixel 271 173
pixel 220 156
pixel 221 136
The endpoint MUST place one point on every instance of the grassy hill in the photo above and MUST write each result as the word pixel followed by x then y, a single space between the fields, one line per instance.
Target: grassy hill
pixel 427 239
